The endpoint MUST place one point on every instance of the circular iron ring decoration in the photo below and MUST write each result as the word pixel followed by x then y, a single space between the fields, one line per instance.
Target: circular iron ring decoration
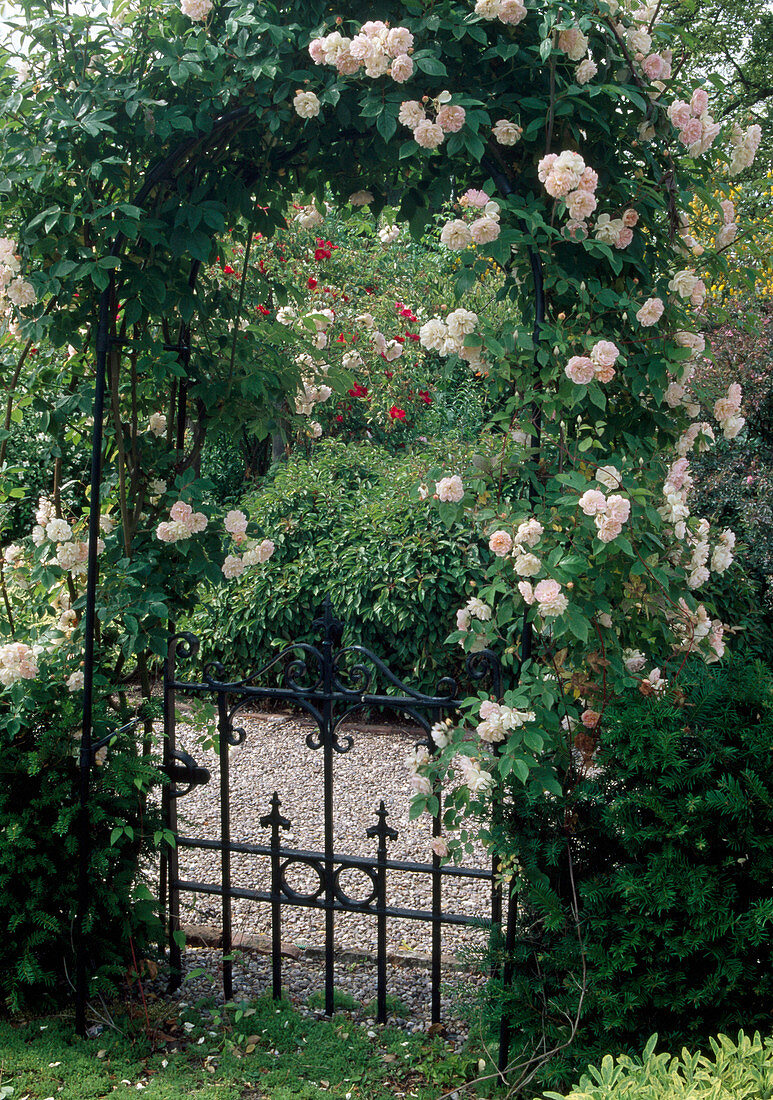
pixel 341 894
pixel 298 895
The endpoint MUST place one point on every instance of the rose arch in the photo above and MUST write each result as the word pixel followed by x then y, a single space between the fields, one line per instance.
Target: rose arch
pixel 554 139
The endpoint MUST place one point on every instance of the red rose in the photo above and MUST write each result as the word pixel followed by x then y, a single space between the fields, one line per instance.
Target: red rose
pixel 397 414
pixel 311 284
pixel 228 270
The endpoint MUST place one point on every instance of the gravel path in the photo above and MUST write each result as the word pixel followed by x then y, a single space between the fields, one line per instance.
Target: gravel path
pixel 275 756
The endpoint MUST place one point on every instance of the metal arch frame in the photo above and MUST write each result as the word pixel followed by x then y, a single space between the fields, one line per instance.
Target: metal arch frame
pixel 163 170
pixel 317 677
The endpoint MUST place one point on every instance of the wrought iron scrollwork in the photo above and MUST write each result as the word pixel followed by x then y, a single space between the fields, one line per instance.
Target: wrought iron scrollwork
pixel 184 773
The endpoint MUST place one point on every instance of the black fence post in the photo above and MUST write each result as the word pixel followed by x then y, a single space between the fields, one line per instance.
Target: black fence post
pixel 384 833
pixel 277 822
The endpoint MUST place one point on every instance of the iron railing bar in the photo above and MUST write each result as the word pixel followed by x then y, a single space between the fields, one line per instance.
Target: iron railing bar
pixel 346 861
pixel 245 894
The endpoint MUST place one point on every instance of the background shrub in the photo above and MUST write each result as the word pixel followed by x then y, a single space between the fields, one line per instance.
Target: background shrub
pixel 670 846
pixel 39 851
pixel 347 522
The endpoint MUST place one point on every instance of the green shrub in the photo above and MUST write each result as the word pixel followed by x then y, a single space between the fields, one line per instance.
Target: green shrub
pixel 670 847
pixel 39 850
pixel 347 522
pixel 736 1071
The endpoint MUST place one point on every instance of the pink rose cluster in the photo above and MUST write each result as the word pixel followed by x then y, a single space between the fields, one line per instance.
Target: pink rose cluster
pixel 511 12
pixel 378 49
pixel 17 290
pixel 256 553
pixel 729 230
pixel 497 720
pixel 609 513
pixel 727 410
pixel 427 132
pixel 548 596
pixel 697 129
pixel 566 176
pixel 17 662
pixel 183 522
pixel 600 364
pixel 745 144
pixel 459 234
pixel 617 232
pixel 686 285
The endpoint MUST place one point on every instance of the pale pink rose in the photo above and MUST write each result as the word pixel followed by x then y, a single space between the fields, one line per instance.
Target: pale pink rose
pixel 573 43
pixel 624 237
pixel 699 102
pixel 361 198
pixel 650 313
pixel 589 180
pixel 618 508
pixel 654 66
pixel 456 235
pixel 478 199
pixel 439 846
pixel 586 71
pixel 398 41
pixel 604 353
pixel 691 132
pixel 630 218
pixel 607 529
pixel 527 565
pixel 196 10
pixel 590 718
pixel 547 591
pixel 181 512
pixel 317 50
pixel 428 134
pixel 593 502
pixel 306 104
pixel 411 113
pixel 463 619
pixel 580 369
pixel 451 118
pixel 679 113
pixel 698 296
pixel 506 133
pixel 609 476
pixel 233 566
pixel 545 166
pixel 500 543
pixel 526 590
pixel 450 489
pixel 197 523
pixel 511 12
pixel 401 68
pixel 604 374
pixel 581 204
pixel 484 230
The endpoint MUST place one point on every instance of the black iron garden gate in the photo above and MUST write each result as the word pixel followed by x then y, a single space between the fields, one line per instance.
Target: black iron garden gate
pixel 329 683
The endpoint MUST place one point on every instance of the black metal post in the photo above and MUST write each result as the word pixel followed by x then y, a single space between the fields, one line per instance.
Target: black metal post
pixel 327 751
pixel 277 822
pixel 170 863
pixel 384 832
pixel 507 977
pixel 223 727
pixel 89 630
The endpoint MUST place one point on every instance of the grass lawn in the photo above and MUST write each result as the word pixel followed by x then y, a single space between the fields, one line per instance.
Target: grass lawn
pixel 243 1052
